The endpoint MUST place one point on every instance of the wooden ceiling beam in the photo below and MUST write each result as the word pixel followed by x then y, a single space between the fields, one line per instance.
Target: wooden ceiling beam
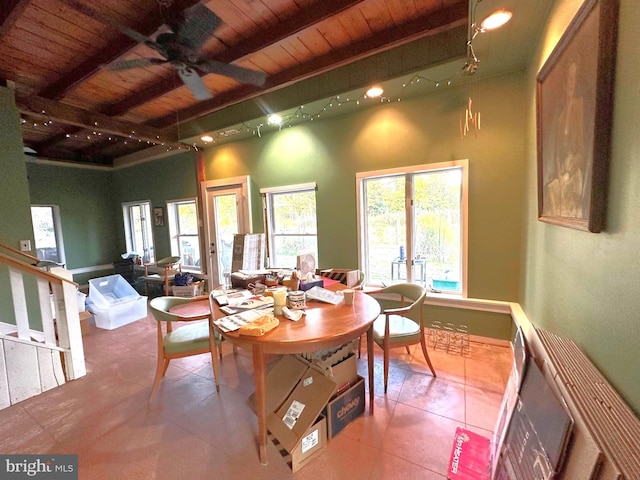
pixel 11 11
pixel 323 10
pixel 421 27
pixel 152 22
pixel 56 90
pixel 45 109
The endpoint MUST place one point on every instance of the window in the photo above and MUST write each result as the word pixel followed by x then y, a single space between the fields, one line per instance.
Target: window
pixel 413 225
pixel 183 230
pixel 137 229
pixel 291 224
pixel 48 233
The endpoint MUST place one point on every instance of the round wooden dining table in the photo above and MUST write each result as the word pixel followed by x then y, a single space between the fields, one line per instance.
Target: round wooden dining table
pixel 323 326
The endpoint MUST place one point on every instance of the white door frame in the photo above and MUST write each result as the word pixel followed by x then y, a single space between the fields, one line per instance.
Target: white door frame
pixel 208 189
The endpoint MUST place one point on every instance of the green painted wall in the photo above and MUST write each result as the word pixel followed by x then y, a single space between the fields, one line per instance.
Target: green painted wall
pixel 157 181
pixel 414 131
pixel 584 285
pixel 87 211
pixel 15 214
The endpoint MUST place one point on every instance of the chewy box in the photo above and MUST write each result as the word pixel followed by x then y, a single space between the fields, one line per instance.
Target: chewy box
pixel 296 395
pixel 344 408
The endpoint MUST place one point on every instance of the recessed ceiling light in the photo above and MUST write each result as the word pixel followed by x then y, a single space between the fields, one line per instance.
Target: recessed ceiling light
pixel 496 19
pixel 206 138
pixel 374 92
pixel 274 119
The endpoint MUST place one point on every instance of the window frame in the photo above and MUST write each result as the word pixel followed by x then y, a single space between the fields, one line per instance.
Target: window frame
pixel 175 235
pixel 57 231
pixel 410 171
pixel 267 198
pixel 128 229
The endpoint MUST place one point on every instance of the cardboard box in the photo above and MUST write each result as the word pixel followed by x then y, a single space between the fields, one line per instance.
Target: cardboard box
pixel 248 251
pixel 344 408
pixel 345 372
pixel 347 277
pixel 192 290
pixel 314 442
pixel 243 280
pixel 85 318
pixel 296 396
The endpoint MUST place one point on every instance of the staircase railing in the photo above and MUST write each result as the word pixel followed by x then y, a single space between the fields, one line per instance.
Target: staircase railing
pixel 40 336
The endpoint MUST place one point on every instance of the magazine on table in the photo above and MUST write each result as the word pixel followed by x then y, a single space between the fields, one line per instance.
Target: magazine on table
pixel 324 295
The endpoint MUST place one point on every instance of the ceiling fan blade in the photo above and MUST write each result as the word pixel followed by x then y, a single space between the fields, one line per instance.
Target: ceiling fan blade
pixel 241 74
pixel 197 26
pixel 193 81
pixel 135 63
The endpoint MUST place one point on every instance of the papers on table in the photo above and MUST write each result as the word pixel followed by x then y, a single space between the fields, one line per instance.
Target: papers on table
pixel 230 297
pixel 324 295
pixel 232 323
pixel 246 304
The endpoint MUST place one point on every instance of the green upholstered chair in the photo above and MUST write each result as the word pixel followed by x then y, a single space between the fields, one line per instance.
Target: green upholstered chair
pixel 195 337
pixel 168 266
pixel 401 326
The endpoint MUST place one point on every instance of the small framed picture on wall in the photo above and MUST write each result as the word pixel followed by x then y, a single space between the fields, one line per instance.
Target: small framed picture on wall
pixel 158 217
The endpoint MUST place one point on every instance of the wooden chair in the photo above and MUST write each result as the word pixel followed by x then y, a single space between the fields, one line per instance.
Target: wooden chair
pixel 197 336
pixel 402 326
pixel 169 266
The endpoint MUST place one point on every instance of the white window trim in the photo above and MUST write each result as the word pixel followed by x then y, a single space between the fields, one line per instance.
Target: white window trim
pixel 172 232
pixel 57 226
pixel 127 219
pixel 268 213
pixel 413 169
pixel 290 188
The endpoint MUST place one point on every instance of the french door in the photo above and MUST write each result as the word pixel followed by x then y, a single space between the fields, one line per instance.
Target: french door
pixel 227 212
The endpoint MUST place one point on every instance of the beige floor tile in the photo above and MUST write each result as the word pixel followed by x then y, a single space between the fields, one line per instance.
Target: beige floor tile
pixel 188 430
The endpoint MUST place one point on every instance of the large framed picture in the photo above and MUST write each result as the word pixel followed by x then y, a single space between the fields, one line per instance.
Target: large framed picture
pixel 574 101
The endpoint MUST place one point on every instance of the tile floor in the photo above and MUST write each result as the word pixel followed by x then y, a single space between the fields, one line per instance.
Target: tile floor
pixel 188 431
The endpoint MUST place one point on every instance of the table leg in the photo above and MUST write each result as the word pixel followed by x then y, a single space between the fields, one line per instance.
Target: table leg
pixel 259 373
pixel 370 366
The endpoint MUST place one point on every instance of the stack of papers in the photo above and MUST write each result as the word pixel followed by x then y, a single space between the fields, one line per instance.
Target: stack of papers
pixel 243 304
pixel 232 323
pixel 324 295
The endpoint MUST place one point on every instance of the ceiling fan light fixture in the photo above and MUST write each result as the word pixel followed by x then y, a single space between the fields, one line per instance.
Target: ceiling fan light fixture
pixel 496 19
pixel 374 92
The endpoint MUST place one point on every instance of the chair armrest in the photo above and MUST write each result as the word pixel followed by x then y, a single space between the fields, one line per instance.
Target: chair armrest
pixel 395 311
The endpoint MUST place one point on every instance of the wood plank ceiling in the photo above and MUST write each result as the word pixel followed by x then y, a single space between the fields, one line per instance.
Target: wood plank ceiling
pixel 53 52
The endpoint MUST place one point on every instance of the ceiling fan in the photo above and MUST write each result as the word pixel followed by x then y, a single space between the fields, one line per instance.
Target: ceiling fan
pixel 180 48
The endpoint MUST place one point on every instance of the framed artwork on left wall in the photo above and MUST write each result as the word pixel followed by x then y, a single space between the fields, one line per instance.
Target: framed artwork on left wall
pixel 574 103
pixel 158 217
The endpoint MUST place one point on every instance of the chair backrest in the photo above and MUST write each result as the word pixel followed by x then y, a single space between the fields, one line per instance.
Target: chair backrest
pixel 415 293
pixel 168 261
pixel 160 308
